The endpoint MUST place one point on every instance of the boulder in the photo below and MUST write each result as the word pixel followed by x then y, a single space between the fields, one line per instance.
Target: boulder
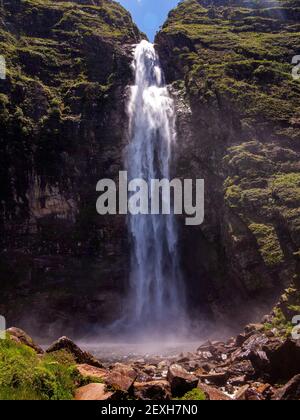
pixel 80 356
pixel 21 337
pixel 154 390
pixel 93 392
pixel 121 377
pixel 219 379
pixel 88 371
pixel 181 380
pixel 241 393
pixel 284 359
pixel 291 391
pixel 213 394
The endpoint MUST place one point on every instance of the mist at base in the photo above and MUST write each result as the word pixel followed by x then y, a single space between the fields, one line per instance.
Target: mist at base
pixel 111 345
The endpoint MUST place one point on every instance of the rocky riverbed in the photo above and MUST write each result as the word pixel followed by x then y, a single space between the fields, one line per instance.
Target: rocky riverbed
pixel 255 365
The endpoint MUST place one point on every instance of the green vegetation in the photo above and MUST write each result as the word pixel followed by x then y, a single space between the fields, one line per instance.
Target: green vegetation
pixel 26 376
pixel 194 395
pixel 288 307
pixel 232 61
pixel 269 245
pixel 243 53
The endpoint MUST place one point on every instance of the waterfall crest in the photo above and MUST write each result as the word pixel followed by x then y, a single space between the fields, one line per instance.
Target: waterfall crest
pixel 157 297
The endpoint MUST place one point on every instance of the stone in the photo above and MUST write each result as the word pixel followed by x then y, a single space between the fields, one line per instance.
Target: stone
pixel 93 392
pixel 150 370
pixel 237 381
pixel 121 377
pixel 242 368
pixel 219 379
pixel 88 371
pixel 80 356
pixel 284 359
pixel 254 328
pixel 291 391
pixel 21 337
pixel 241 393
pixel 181 380
pixel 154 390
pixel 213 394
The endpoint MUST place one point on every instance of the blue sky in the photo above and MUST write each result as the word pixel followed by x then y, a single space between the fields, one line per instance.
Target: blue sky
pixel 149 15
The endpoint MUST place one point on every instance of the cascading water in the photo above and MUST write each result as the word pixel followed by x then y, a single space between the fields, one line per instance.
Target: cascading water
pixel 157 298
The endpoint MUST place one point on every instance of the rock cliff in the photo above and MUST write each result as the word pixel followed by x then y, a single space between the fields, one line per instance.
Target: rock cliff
pixel 62 125
pixel 238 121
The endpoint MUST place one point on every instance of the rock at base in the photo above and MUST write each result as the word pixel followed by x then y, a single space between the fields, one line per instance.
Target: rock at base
pixel 291 391
pixel 21 337
pixel 213 394
pixel 88 371
pixel 121 377
pixel 93 392
pixel 154 390
pixel 80 356
pixel 181 380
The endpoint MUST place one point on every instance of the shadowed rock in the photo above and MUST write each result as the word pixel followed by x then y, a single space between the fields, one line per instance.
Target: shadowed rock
pixel 154 390
pixel 291 391
pixel 80 356
pixel 181 381
pixel 21 337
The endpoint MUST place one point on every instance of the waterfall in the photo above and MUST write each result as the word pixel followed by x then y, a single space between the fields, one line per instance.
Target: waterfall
pixel 157 298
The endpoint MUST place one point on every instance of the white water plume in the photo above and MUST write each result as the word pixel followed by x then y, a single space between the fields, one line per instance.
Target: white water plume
pixel 157 297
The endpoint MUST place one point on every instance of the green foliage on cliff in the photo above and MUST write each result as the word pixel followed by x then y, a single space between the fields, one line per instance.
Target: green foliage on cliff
pixel 66 61
pixel 243 51
pixel 26 376
pixel 268 243
pixel 234 59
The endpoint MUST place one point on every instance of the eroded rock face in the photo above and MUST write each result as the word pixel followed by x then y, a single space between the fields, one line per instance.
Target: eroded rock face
pixel 237 130
pixel 62 128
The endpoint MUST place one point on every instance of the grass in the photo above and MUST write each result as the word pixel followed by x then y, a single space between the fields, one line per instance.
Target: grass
pixel 26 376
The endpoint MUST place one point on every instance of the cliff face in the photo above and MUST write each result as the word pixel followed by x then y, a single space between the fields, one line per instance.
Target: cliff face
pixel 230 61
pixel 62 125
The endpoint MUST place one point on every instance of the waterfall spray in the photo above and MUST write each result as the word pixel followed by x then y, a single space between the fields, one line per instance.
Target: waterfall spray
pixel 157 298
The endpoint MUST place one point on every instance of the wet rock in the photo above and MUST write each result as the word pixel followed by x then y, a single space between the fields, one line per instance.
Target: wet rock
pixel 254 328
pixel 284 359
pixel 291 391
pixel 164 364
pixel 240 339
pixel 237 381
pixel 121 377
pixel 241 393
pixel 80 356
pixel 93 392
pixel 88 371
pixel 243 368
pixel 21 337
pixel 150 370
pixel 213 394
pixel 181 380
pixel 253 344
pixel 219 379
pixel 154 390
